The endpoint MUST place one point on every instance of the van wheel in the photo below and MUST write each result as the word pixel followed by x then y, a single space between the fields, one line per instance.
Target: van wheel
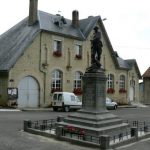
pixel 66 109
pixel 115 107
pixel 55 108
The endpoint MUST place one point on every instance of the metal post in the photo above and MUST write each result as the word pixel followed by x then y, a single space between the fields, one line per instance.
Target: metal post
pixel 105 142
pixel 27 124
pixel 145 127
pixel 60 118
pixel 134 132
pixel 59 130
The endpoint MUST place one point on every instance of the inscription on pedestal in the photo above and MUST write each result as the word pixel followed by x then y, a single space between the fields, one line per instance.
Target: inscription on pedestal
pixel 94 92
pixel 89 97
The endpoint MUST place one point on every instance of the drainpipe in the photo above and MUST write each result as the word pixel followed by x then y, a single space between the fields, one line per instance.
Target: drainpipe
pixel 41 67
pixel 127 94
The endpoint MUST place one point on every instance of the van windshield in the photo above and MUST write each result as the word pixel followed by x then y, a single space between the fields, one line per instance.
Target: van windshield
pixel 60 97
pixel 57 97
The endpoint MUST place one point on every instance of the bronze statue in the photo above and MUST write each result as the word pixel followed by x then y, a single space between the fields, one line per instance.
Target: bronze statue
pixel 96 50
pixel 96 45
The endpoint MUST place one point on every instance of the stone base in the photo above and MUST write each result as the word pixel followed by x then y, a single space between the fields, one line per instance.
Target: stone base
pixel 94 118
pixel 96 123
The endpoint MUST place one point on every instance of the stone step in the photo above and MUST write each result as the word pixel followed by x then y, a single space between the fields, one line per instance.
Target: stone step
pixel 93 117
pixel 95 124
pixel 108 130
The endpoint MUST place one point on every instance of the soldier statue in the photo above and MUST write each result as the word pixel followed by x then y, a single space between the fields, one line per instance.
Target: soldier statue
pixel 96 49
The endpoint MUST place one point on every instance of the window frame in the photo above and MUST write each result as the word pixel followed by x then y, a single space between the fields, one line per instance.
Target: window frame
pixel 78 79
pixel 56 81
pixel 78 83
pixel 78 51
pixel 57 45
pixel 110 81
pixel 57 48
pixel 122 82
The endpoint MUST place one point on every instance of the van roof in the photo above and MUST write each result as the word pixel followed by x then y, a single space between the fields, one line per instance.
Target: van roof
pixel 64 93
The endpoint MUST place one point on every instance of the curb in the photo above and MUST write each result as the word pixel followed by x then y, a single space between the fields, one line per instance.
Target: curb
pixel 36 109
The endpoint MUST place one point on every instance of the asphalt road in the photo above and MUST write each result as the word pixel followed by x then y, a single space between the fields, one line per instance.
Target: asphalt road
pixel 12 136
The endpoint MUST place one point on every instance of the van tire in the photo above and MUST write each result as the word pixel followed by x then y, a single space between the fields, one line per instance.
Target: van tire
pixel 66 108
pixel 55 108
pixel 115 107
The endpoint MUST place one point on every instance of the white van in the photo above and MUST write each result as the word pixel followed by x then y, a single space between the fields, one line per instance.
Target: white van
pixel 65 101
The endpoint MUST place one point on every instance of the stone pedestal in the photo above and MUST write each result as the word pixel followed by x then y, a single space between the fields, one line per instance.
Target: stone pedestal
pixel 94 118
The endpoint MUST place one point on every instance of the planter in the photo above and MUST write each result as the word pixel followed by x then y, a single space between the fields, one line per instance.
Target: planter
pixel 56 90
pixel 57 53
pixel 110 91
pixel 78 56
pixel 77 91
pixel 122 91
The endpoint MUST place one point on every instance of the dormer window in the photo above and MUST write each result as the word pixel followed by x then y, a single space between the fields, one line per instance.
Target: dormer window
pixel 60 21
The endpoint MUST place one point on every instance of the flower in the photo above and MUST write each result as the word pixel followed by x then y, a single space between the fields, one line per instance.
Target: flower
pixel 78 56
pixel 57 53
pixel 122 90
pixel 110 91
pixel 77 91
pixel 56 90
pixel 82 132
pixel 76 130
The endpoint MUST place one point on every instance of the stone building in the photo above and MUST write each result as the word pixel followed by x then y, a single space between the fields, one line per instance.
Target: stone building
pixel 45 53
pixel 145 90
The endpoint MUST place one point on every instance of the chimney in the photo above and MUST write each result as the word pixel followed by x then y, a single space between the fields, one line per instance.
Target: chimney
pixel 75 19
pixel 33 18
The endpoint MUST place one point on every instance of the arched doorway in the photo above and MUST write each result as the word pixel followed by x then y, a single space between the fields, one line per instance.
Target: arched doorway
pixel 28 92
pixel 132 90
pixel 131 94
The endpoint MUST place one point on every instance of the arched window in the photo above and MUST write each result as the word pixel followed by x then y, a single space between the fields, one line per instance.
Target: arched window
pixel 110 83
pixel 56 84
pixel 78 83
pixel 122 84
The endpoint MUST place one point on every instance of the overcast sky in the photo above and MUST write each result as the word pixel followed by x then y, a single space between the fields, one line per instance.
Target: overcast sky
pixel 127 24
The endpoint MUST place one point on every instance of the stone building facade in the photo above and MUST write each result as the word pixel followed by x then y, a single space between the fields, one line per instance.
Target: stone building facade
pixel 145 87
pixel 46 53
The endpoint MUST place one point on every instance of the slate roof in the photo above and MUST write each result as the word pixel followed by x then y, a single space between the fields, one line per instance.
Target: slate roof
pixel 132 63
pixel 14 41
pixel 146 73
pixel 18 38
pixel 47 20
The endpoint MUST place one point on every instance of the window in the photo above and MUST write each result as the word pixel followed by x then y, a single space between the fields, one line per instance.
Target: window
pixel 78 51
pixel 57 51
pixel 77 80
pixel 110 84
pixel 132 83
pixel 60 97
pixel 122 84
pixel 110 81
pixel 56 84
pixel 78 83
pixel 73 98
